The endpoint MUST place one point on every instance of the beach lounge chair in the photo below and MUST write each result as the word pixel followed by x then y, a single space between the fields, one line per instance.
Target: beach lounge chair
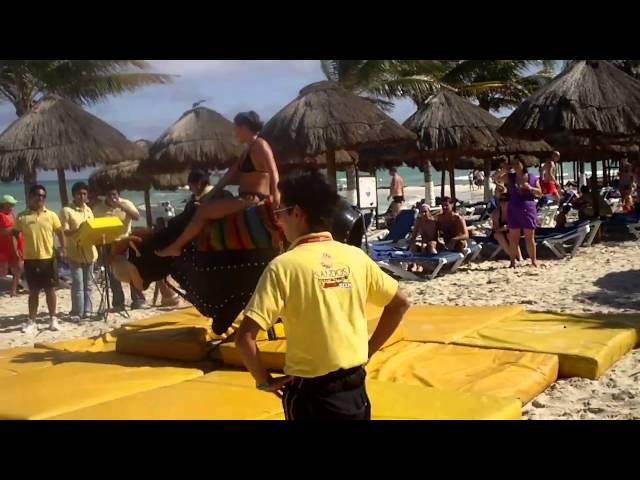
pixel 395 261
pixel 620 225
pixel 400 228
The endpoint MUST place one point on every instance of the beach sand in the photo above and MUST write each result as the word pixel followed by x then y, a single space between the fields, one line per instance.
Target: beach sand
pixel 603 278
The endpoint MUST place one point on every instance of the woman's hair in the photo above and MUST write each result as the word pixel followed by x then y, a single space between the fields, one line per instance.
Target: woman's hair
pixel 316 197
pixel 250 120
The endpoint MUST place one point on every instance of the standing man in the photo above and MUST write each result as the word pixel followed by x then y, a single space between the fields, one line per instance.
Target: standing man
pixel 10 246
pixel 452 227
pixel 37 225
pixel 126 211
pixel 81 258
pixel 548 182
pixel 396 192
pixel 319 288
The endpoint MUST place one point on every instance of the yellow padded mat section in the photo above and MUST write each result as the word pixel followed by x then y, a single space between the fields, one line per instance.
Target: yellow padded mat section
pixel 500 373
pixel 587 345
pixel 17 361
pixel 272 352
pixel 76 380
pixel 103 343
pixel 446 323
pixel 231 395
pixel 219 395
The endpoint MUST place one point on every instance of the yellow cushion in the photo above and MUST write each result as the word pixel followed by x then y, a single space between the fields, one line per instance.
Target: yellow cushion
pixel 219 395
pixel 446 323
pixel 587 345
pixel 17 361
pixel 102 343
pixel 500 373
pixel 76 380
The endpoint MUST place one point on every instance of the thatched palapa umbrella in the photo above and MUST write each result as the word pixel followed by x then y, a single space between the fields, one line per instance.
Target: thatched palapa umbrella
pixel 130 176
pixel 57 135
pixel 590 98
pixel 324 119
pixel 450 127
pixel 201 138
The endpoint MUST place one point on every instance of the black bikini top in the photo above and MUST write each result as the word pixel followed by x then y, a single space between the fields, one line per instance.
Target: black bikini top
pixel 247 165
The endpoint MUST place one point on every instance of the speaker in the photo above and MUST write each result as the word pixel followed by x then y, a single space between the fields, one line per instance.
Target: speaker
pixel 99 231
pixel 347 226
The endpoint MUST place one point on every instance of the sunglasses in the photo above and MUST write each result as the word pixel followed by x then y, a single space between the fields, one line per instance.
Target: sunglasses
pixel 281 210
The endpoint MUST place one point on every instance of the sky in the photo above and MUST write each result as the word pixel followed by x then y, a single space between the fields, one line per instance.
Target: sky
pixel 227 86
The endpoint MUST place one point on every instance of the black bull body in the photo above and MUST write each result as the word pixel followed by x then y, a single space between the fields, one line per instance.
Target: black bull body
pixel 220 283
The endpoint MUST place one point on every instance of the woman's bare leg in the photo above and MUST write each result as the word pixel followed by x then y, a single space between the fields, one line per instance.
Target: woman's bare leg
pixel 514 245
pixel 207 211
pixel 529 236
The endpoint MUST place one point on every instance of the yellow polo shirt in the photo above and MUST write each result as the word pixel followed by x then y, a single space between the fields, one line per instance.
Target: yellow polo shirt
pixel 37 230
pixel 71 218
pixel 102 210
pixel 320 290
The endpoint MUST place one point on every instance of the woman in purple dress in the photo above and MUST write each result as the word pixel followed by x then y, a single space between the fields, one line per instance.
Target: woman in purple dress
pixel 523 188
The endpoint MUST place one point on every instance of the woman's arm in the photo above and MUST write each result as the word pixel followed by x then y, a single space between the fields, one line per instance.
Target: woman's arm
pixel 263 159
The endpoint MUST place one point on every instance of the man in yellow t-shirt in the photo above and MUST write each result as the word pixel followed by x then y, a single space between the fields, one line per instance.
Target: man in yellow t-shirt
pixel 81 257
pixel 126 211
pixel 38 225
pixel 319 288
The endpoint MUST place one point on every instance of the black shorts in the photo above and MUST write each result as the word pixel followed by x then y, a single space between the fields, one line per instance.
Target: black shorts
pixel 339 395
pixel 41 274
pixel 398 199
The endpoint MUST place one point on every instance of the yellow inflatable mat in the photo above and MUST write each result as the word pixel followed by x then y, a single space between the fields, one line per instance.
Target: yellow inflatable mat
pixel 587 345
pixel 17 361
pixel 272 352
pixel 446 323
pixel 231 395
pixel 55 382
pixel 500 373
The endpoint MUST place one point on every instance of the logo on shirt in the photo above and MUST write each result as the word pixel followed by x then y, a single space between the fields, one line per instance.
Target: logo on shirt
pixel 332 275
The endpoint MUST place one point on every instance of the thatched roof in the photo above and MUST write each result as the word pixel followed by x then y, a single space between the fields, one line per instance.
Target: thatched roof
pixel 572 146
pixel 471 163
pixel 57 133
pixel 591 97
pixel 200 138
pixel 129 176
pixel 448 126
pixel 327 118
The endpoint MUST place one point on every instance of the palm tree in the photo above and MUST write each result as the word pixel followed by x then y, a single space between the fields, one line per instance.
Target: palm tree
pixel 24 82
pixel 494 84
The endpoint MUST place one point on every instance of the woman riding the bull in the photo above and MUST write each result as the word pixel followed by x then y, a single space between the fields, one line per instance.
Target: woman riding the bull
pixel 256 174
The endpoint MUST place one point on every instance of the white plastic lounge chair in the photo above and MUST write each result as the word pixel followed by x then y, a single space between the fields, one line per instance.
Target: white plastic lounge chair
pixel 556 243
pixel 397 261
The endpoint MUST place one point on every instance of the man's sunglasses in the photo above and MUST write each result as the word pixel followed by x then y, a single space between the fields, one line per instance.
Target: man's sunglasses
pixel 281 210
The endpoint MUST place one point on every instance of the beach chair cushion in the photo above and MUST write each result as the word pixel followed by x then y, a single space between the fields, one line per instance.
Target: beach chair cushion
pixel 587 345
pixel 500 373
pixel 76 380
pixel 231 395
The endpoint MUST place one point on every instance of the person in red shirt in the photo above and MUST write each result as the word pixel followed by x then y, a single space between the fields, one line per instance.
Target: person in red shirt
pixel 10 245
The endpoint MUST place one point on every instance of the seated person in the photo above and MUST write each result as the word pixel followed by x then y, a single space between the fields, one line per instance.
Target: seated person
pixel 561 218
pixel 499 225
pixel 452 227
pixel 627 202
pixel 584 204
pixel 427 228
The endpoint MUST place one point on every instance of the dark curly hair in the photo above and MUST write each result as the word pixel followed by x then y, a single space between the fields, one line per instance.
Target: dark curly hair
pixel 249 119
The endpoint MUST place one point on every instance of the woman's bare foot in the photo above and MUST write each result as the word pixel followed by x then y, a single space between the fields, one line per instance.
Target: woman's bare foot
pixel 170 251
pixel 534 264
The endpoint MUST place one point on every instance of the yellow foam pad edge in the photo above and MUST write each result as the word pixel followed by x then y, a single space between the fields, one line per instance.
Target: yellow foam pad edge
pixel 231 395
pixel 499 373
pixel 446 323
pixel 58 382
pixel 587 345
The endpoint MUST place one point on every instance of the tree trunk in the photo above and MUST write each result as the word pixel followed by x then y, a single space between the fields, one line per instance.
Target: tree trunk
pixel 331 168
pixel 147 207
pixel 561 176
pixel 595 192
pixel 452 182
pixel 351 185
pixel 29 179
pixel 429 194
pixel 62 187
pixel 442 181
pixel 487 179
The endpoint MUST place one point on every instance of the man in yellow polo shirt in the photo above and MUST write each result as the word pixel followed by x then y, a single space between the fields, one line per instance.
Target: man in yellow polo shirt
pixel 81 257
pixel 126 211
pixel 319 288
pixel 38 224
